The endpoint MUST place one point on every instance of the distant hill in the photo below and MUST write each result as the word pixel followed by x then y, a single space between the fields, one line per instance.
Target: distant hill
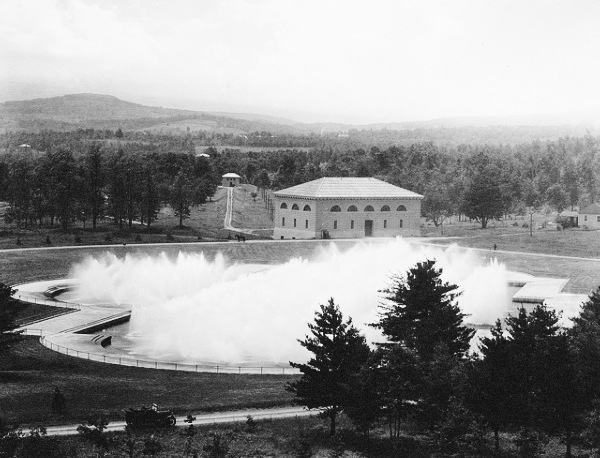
pixel 99 111
pixel 107 112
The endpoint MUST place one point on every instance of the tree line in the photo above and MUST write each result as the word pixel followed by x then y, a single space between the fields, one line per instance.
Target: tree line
pixel 483 182
pixel 530 375
pixel 124 184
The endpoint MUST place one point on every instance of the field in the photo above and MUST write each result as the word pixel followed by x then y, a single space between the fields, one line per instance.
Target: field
pixel 194 125
pixel 30 373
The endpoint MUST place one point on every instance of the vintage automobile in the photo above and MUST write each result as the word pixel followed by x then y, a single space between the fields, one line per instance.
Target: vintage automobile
pixel 149 417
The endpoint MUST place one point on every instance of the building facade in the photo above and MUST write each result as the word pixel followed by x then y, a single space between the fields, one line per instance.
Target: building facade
pixel 589 217
pixel 346 208
pixel 230 180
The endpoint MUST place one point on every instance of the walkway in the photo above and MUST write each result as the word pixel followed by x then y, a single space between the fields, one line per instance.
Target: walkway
pixel 227 224
pixel 235 416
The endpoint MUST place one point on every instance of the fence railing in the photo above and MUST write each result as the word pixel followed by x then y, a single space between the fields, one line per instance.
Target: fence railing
pixel 32 332
pixel 33 299
pixel 166 365
pixel 133 362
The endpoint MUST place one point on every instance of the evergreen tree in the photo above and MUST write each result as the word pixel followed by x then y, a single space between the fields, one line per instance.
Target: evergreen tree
pixel 528 377
pixel 425 347
pixel 490 381
pixel 338 351
pixel 586 342
pixel 421 313
pixel 8 312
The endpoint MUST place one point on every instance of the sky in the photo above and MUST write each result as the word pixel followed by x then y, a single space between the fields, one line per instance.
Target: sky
pixel 310 60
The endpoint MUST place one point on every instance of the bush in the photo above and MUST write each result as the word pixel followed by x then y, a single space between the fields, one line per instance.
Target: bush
pixel 251 424
pixel 138 238
pixel 170 237
pixel 217 447
pixel 461 431
pixel 525 225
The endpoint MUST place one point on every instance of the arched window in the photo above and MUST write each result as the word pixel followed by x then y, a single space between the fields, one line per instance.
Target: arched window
pixel 385 208
pixel 401 208
pixel 295 207
pixel 306 208
pixel 336 208
pixel 368 208
pixel 352 208
pixel 283 205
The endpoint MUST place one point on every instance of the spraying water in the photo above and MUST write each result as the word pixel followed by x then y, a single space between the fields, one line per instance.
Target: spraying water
pixel 189 308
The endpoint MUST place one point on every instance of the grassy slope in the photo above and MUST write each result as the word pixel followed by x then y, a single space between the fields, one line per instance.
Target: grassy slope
pixel 249 212
pixel 30 373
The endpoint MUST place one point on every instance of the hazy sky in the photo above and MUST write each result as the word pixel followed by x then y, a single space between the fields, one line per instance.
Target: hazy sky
pixel 345 60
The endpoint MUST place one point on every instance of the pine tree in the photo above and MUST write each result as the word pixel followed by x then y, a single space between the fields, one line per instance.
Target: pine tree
pixel 8 312
pixel 586 340
pixel 338 352
pixel 426 345
pixel 490 381
pixel 421 313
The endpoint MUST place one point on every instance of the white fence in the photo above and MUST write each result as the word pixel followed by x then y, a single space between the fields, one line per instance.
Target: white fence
pixel 166 365
pixel 33 299
pixel 45 340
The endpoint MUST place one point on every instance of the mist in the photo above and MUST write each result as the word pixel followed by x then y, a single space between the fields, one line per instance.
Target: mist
pixel 187 308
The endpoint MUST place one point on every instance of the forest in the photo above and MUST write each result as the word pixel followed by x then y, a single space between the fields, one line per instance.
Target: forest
pixel 53 176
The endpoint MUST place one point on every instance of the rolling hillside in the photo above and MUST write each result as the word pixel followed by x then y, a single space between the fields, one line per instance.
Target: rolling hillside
pixel 76 111
pixel 107 112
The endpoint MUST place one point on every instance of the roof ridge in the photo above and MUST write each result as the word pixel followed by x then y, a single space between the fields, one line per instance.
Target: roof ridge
pixel 321 181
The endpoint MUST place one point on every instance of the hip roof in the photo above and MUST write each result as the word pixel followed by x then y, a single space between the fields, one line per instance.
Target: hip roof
pixel 347 187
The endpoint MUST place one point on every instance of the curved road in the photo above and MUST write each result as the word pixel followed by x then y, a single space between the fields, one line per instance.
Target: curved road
pixel 203 419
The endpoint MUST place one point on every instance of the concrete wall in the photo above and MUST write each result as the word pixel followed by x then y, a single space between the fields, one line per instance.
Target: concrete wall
pixel 339 224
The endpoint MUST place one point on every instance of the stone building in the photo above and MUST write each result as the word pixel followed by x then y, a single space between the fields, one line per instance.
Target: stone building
pixel 230 180
pixel 346 208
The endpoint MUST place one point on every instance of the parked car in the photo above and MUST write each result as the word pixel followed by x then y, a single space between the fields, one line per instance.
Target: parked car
pixel 149 417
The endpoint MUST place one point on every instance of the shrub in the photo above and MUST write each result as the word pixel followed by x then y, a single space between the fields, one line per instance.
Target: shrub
pixel 251 424
pixel 217 447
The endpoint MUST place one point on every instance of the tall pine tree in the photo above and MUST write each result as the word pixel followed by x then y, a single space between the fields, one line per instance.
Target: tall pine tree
pixel 421 313
pixel 338 351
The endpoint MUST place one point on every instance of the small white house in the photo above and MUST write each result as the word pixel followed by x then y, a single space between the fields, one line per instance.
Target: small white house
pixel 230 180
pixel 589 217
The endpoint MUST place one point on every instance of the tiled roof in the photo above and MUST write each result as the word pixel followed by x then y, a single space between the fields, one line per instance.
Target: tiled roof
pixel 592 209
pixel 344 187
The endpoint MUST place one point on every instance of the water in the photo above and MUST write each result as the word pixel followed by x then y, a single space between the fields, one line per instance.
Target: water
pixel 190 309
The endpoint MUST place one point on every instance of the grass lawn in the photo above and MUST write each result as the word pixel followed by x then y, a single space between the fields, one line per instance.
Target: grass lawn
pixel 30 372
pixel 31 313
pixel 249 212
